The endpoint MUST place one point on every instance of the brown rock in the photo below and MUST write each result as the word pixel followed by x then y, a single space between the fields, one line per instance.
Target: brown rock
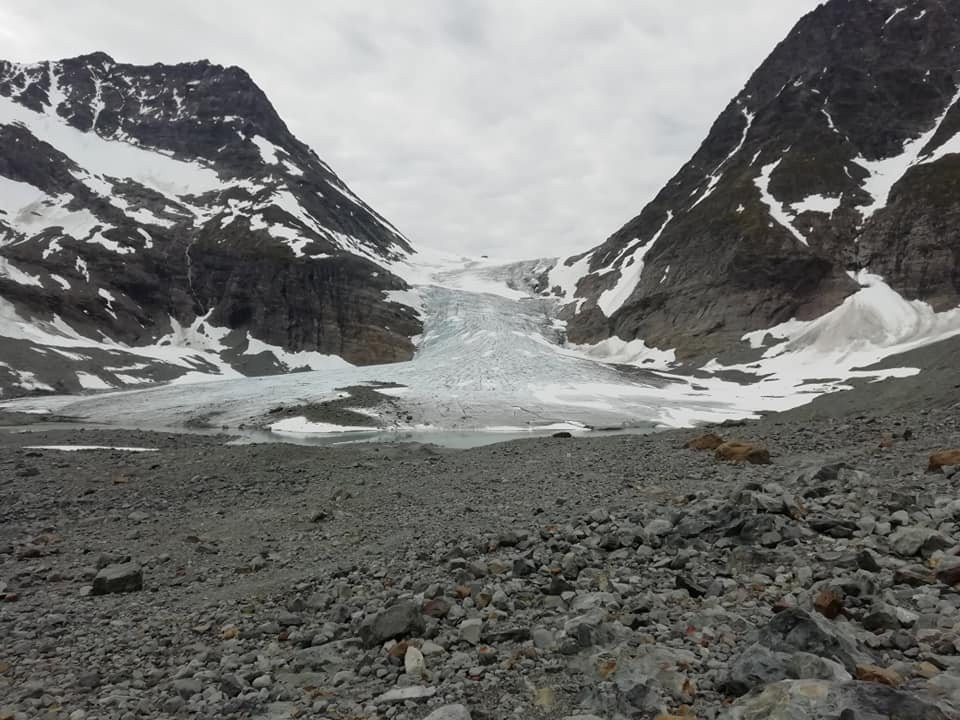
pixel 829 603
pixel 710 441
pixel 949 571
pixel 886 440
pixel 743 452
pixel 436 608
pixel 882 676
pixel 940 460
pixel 914 575
pixel 398 652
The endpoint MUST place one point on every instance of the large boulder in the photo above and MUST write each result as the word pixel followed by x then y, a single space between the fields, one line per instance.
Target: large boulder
pixel 827 700
pixel 940 460
pixel 710 441
pixel 122 578
pixel 743 452
pixel 397 621
pixel 758 666
pixel 795 630
pixel 915 540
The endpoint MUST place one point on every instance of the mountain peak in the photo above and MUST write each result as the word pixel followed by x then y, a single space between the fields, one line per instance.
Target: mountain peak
pixel 156 205
pixel 838 156
pixel 97 58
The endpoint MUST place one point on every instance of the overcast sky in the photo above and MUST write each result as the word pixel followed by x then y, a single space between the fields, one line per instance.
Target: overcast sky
pixel 517 128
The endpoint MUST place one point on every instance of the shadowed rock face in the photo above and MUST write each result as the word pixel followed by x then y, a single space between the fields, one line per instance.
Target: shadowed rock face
pixel 271 245
pixel 853 83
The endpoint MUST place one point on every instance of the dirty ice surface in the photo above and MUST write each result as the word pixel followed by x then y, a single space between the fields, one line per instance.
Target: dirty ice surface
pixel 493 359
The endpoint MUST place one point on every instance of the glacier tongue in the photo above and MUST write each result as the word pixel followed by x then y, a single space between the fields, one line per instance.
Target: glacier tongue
pixel 493 358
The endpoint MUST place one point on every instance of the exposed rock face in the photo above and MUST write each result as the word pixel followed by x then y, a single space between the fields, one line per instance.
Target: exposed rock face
pixel 837 156
pixel 170 206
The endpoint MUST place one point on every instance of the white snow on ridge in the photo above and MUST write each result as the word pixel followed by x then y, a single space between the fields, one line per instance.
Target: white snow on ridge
pixel 773 205
pixel 717 174
pixel 268 151
pixel 893 15
pixel 885 173
pixel 566 277
pixel 613 299
pixel 12 272
pixel 111 157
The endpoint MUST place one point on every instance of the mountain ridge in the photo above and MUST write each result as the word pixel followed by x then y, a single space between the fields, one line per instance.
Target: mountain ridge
pixel 170 204
pixel 794 189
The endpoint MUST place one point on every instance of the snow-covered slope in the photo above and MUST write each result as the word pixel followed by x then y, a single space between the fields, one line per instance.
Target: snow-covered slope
pixel 162 222
pixel 840 155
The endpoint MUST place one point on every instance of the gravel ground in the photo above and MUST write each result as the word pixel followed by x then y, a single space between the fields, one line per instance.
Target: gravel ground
pixel 609 577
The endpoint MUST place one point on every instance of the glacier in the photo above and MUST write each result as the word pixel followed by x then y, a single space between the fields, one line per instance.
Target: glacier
pixel 493 359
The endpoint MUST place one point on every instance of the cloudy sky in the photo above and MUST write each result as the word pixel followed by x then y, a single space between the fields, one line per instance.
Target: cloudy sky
pixel 520 129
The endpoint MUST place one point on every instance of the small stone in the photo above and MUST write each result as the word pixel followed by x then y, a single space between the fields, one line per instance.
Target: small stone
pixel 866 561
pixel 829 602
pixel 263 681
pixel 403 694
pixel 187 687
pixel 449 712
pixel 414 663
pixel 436 608
pixel 470 630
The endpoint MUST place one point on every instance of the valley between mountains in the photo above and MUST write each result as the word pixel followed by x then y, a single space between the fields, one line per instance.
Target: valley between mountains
pixel 263 457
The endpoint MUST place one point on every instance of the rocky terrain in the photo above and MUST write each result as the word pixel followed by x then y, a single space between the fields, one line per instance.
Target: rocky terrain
pixel 624 577
pixel 838 157
pixel 162 220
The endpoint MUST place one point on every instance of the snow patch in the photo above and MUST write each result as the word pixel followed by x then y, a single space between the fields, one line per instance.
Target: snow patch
pixel 296 360
pixel 92 382
pixel 613 299
pixel 817 203
pixel 884 174
pixel 11 272
pixel 774 206
pixel 302 426
pixel 113 158
pixel 268 151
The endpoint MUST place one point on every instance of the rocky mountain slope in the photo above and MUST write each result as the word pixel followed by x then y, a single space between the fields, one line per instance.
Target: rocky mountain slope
pixel 161 221
pixel 836 162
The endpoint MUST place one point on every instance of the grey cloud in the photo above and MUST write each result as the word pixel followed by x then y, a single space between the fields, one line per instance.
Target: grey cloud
pixel 517 129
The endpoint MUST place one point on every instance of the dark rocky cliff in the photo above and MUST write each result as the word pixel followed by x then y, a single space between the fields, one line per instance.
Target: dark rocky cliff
pixel 788 195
